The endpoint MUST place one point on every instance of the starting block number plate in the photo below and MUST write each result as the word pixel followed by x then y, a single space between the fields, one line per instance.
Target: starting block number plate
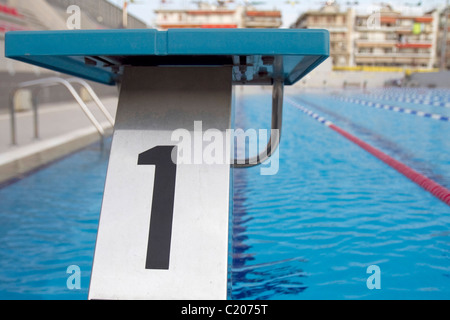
pixel 163 231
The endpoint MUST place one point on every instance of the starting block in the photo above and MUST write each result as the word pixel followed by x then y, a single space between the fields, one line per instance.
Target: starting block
pixel 163 229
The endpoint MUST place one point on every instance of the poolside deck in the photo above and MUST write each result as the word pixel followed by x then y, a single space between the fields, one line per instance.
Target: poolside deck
pixel 63 129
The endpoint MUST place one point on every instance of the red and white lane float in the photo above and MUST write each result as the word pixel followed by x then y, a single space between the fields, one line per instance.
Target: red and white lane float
pixel 426 183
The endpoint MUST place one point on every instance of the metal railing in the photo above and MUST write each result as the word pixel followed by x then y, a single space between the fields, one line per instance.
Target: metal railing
pixel 37 85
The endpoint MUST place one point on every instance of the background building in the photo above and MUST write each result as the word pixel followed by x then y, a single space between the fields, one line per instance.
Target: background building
pixel 340 26
pixel 206 16
pixel 389 38
pixel 217 16
pixel 383 38
pixel 254 18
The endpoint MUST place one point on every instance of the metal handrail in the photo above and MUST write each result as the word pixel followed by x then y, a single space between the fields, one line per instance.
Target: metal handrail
pixel 50 82
pixel 94 97
pixel 274 142
pixel 277 114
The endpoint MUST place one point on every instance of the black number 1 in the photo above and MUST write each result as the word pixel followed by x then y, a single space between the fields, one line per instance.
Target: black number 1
pixel 160 236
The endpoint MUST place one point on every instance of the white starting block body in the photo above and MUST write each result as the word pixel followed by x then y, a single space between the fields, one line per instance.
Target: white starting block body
pixel 195 241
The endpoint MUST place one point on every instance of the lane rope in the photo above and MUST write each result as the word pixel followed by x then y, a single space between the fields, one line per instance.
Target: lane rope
pixel 426 183
pixel 384 106
pixel 436 102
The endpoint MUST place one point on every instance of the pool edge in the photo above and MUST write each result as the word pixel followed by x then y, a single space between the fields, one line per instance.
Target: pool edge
pixel 18 163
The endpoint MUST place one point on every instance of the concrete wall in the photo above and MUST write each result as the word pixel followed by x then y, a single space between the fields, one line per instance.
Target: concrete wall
pixel 431 79
pixel 324 76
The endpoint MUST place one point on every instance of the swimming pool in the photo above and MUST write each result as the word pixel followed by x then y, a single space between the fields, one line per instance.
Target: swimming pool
pixel 308 232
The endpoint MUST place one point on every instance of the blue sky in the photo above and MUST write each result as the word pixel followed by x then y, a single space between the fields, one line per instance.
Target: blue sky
pixel 144 9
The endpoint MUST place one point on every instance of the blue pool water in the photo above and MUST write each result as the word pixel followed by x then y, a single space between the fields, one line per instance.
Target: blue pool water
pixel 49 222
pixel 311 231
pixel 308 232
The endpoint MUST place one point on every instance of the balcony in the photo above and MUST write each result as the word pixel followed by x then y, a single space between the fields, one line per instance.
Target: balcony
pixel 415 45
pixel 397 59
pixel 340 52
pixel 363 43
pixel 426 63
pixel 338 38
pixel 392 29
pixel 393 55
pixel 262 22
pixel 412 44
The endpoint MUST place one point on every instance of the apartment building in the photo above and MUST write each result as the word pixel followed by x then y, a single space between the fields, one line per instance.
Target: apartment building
pixel 390 38
pixel 339 24
pixel 384 37
pixel 217 16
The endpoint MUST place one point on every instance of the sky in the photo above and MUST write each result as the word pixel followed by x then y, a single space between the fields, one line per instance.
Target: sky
pixel 143 9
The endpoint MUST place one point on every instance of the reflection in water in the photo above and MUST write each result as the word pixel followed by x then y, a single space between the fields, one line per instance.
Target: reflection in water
pixel 263 280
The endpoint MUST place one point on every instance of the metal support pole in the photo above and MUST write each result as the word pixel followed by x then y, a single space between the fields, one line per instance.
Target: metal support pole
pixel 35 112
pixel 444 39
pixel 12 112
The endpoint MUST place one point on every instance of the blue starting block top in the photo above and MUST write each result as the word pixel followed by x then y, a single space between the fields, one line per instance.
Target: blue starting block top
pixel 258 56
